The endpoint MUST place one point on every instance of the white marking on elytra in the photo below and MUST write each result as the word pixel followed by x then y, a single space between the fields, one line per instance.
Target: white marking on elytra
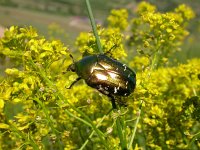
pixel 115 90
pixel 129 75
pixel 100 87
pixel 126 82
pixel 106 92
pixel 116 68
pixel 106 88
pixel 125 94
pixel 124 68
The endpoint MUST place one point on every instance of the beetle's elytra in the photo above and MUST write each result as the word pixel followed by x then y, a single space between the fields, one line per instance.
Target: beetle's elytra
pixel 105 74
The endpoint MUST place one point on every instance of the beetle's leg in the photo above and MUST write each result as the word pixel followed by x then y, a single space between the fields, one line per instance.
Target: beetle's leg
pixel 114 106
pixel 110 50
pixel 73 83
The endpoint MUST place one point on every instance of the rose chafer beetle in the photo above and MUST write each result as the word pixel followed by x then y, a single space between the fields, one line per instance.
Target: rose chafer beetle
pixel 105 74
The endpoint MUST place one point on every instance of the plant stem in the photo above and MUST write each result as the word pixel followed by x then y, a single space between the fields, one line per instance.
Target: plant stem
pixel 92 133
pixel 120 134
pixel 135 128
pixel 61 97
pixel 196 136
pixel 28 140
pixel 152 67
pixel 154 61
pixel 94 28
pixel 55 131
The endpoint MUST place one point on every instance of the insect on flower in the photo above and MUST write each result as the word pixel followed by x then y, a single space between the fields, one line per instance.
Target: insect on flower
pixel 107 75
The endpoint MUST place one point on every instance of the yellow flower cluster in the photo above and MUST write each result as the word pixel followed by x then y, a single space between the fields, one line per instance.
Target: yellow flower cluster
pixel 153 31
pixel 185 11
pixel 37 111
pixel 166 94
pixel 118 19
pixel 111 41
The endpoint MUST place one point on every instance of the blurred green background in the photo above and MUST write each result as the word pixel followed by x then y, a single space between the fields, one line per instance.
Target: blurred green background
pixel 70 16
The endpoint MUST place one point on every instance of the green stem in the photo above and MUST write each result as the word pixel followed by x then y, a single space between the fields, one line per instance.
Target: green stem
pixel 135 128
pixel 120 134
pixel 152 67
pixel 61 97
pixel 196 136
pixel 94 28
pixel 80 119
pixel 120 129
pixel 55 131
pixel 28 140
pixel 154 61
pixel 47 115
pixel 92 133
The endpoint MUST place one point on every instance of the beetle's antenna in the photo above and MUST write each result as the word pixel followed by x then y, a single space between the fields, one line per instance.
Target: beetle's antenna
pixel 72 66
pixel 72 58
pixel 112 48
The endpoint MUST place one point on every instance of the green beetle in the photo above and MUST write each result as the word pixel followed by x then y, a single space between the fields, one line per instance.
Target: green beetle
pixel 105 74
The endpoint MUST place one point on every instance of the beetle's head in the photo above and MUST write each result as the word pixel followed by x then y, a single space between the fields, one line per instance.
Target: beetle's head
pixel 71 68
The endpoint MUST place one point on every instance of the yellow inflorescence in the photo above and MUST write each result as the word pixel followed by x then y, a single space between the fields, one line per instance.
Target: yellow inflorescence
pixel 37 111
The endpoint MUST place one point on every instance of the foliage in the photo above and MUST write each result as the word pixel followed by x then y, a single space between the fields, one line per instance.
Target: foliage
pixel 111 41
pixel 160 33
pixel 118 19
pixel 37 111
pixel 164 119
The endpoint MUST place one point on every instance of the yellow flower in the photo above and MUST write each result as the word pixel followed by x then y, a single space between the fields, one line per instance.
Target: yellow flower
pixel 1 104
pixel 118 19
pixel 4 126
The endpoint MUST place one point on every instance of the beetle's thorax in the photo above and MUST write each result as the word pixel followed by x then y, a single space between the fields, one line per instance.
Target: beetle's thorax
pixel 84 66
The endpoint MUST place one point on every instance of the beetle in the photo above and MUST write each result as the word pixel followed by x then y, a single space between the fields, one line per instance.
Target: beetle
pixel 107 75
